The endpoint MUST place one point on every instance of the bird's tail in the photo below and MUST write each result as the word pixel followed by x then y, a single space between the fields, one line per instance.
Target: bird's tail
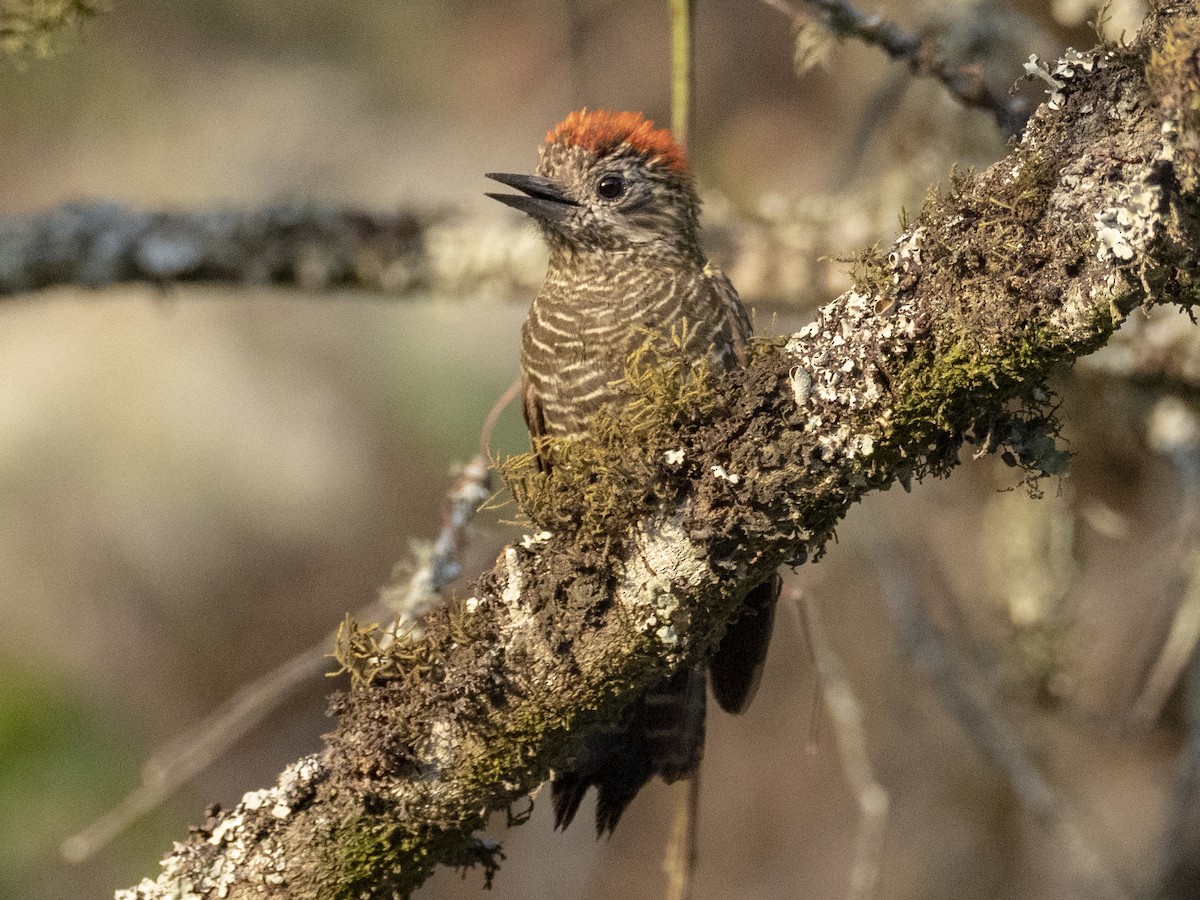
pixel 661 733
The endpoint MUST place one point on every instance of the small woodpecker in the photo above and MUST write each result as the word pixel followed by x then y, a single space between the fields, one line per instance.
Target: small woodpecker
pixel 615 201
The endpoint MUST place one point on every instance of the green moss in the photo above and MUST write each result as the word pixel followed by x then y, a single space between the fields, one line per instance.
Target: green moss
pixel 871 271
pixel 988 396
pixel 358 652
pixel 374 856
pixel 1174 68
pixel 599 486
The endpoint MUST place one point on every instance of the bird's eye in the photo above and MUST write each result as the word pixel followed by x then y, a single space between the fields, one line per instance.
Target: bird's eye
pixel 610 187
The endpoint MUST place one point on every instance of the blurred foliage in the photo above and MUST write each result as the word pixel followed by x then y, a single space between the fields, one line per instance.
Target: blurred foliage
pixel 59 761
pixel 37 27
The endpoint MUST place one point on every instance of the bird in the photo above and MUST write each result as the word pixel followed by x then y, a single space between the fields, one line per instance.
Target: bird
pixel 616 203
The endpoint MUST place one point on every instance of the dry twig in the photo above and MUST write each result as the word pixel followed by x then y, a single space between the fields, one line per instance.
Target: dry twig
pixel 921 54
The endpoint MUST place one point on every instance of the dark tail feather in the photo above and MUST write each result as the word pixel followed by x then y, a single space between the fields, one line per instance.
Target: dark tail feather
pixel 738 663
pixel 612 798
pixel 566 793
pixel 660 733
pixel 674 726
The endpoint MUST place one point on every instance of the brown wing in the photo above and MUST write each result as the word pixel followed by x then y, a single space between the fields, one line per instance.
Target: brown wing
pixel 535 421
pixel 735 312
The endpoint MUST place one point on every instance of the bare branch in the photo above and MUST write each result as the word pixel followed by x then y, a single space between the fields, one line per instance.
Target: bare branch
pixel 101 243
pixel 1011 274
pixel 846 714
pixel 922 55
pixel 423 579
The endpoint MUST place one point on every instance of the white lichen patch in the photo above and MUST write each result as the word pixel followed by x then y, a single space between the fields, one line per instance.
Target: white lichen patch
pixel 230 823
pixel 801 385
pixel 1035 68
pixel 840 357
pixel 665 565
pixel 243 853
pixel 512 585
pixel 1126 229
pixel 906 253
pixel 1111 244
pixel 673 457
pixel 529 541
pixel 442 746
pixel 719 472
pixel 1069 68
pixel 253 800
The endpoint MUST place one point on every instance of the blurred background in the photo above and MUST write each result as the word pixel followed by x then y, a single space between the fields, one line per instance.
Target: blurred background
pixel 197 483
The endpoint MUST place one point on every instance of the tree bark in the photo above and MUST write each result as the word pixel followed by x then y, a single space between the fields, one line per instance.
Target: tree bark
pixel 944 342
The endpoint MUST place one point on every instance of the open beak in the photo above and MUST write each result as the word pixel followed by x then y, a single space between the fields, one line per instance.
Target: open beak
pixel 543 198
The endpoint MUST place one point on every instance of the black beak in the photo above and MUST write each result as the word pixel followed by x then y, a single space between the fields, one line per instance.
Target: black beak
pixel 544 199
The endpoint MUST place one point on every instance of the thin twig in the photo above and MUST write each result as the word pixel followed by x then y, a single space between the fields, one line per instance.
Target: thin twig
pixel 967 700
pixel 846 716
pixel 922 55
pixel 683 848
pixel 193 751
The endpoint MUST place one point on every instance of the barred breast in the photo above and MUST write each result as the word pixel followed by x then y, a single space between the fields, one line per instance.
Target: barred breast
pixel 583 327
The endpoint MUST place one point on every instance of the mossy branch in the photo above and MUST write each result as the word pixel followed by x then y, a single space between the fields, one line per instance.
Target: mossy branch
pixel 1002 279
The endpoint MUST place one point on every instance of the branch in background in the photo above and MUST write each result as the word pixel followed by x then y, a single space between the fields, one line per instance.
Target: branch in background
pixel 964 696
pixel 780 257
pixel 922 55
pixel 98 244
pixel 429 572
pixel 845 713
pixel 1012 274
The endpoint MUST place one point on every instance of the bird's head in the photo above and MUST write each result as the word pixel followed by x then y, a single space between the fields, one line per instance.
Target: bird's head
pixel 609 181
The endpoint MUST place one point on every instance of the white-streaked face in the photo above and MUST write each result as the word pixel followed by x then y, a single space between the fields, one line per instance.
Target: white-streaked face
pixel 624 199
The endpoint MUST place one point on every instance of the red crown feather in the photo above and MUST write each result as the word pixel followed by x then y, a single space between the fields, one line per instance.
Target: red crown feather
pixel 602 131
